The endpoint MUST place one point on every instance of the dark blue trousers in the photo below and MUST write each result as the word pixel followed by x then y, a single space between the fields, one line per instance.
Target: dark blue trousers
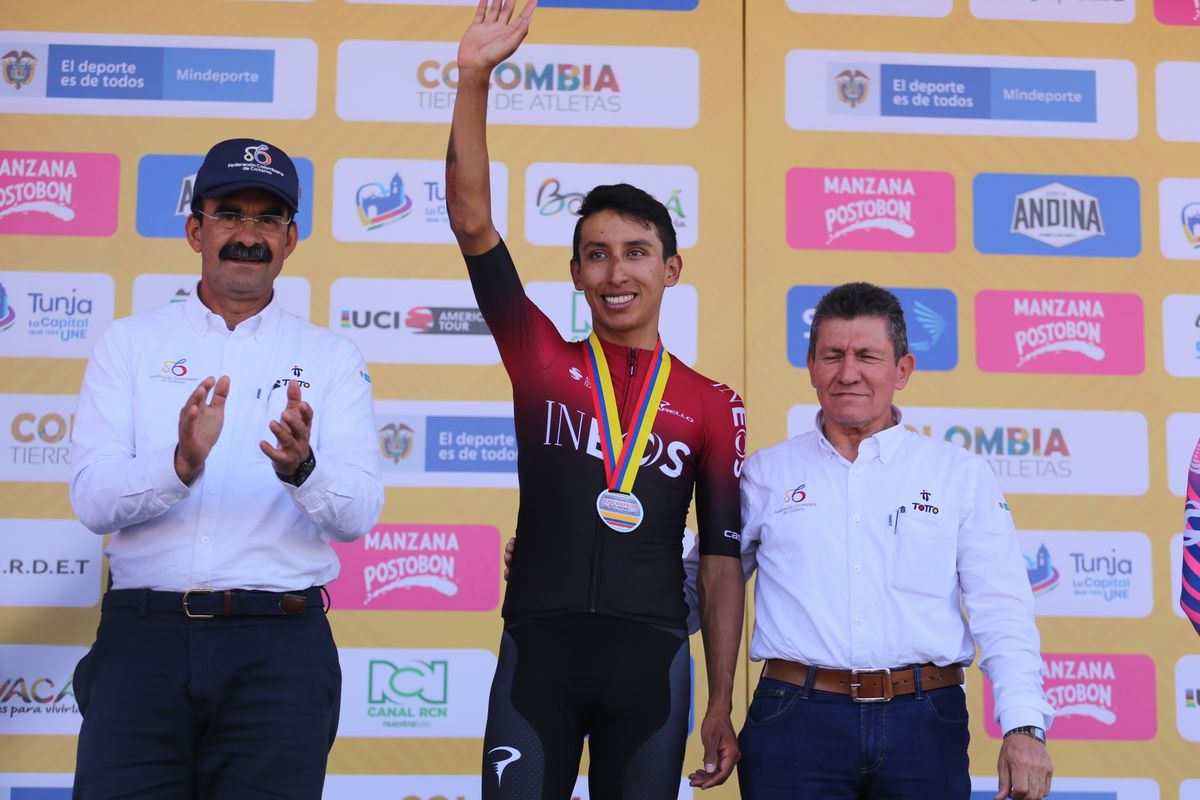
pixel 245 707
pixel 798 742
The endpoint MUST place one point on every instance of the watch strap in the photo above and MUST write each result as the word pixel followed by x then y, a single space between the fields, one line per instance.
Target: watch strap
pixel 302 471
pixel 1031 731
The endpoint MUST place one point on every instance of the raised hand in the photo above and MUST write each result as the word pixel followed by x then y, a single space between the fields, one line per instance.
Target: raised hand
pixel 291 433
pixel 200 426
pixel 493 35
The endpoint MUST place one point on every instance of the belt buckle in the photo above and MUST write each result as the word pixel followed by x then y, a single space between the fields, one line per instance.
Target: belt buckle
pixel 187 612
pixel 888 692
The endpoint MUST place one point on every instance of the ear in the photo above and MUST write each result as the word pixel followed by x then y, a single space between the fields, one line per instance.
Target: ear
pixel 674 270
pixel 293 236
pixel 904 369
pixel 577 275
pixel 191 229
pixel 810 362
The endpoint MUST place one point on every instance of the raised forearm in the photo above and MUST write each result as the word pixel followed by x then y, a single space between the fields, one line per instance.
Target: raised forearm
pixel 468 186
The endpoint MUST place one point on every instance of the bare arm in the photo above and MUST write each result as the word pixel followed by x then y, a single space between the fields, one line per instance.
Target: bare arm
pixel 492 37
pixel 722 600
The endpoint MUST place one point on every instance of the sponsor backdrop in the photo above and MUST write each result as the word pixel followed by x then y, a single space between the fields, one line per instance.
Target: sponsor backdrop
pixel 1018 171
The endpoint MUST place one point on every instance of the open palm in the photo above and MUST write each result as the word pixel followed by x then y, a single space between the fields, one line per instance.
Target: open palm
pixel 494 35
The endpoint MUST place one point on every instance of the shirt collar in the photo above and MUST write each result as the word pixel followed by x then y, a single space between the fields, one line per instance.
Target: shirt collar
pixel 203 320
pixel 882 445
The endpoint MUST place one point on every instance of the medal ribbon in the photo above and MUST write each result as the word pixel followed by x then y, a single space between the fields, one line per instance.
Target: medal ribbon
pixel 620 464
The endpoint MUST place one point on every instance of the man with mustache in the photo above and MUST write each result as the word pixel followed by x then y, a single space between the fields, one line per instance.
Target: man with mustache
pixel 214 672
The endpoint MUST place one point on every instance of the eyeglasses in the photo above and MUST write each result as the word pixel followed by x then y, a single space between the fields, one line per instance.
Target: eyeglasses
pixel 232 220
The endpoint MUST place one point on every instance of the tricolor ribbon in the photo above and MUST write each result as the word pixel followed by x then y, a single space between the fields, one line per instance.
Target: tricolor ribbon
pixel 1189 596
pixel 621 463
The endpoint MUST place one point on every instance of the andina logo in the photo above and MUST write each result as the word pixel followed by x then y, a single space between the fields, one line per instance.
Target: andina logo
pixel 8 316
pixel 1043 576
pixel 1190 217
pixel 409 695
pixel 258 154
pixel 852 87
pixel 379 205
pixel 425 559
pixel 1057 215
pixel 48 186
pixel 18 67
pixel 396 441
pixel 510 76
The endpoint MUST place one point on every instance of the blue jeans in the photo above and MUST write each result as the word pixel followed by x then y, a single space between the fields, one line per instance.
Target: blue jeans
pixel 798 742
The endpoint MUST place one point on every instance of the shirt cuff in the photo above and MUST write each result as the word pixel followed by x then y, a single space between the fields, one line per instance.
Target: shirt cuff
pixel 1019 717
pixel 164 480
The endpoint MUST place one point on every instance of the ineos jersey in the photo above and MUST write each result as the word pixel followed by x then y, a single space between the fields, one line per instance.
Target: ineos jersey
pixel 567 560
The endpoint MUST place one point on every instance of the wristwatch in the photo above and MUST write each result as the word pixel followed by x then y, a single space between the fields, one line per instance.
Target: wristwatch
pixel 302 472
pixel 1028 730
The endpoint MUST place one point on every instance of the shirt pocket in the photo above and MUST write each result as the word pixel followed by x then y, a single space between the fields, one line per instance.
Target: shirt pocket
pixel 926 555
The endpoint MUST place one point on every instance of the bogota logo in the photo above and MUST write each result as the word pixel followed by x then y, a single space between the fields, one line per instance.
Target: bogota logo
pixel 396 441
pixel 1043 576
pixel 379 205
pixel 852 87
pixel 1057 215
pixel 551 200
pixel 18 68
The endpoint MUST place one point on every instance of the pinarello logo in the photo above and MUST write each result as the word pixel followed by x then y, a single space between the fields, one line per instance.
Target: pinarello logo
pixel 419 319
pixel 1094 696
pixel 796 495
pixel 1059 332
pixel 877 210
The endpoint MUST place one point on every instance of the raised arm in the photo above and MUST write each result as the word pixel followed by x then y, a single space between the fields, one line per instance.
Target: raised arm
pixel 492 37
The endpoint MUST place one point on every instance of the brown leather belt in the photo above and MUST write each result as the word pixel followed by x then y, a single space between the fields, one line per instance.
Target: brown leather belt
pixel 865 685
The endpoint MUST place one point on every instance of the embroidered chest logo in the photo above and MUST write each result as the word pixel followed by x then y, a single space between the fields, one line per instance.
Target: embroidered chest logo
pixel 795 498
pixel 174 370
pixel 924 506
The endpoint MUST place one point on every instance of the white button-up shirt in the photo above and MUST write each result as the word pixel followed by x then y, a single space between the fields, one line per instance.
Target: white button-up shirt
pixel 871 563
pixel 237 525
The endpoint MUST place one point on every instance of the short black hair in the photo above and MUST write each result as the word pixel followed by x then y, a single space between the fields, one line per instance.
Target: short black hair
pixel 631 203
pixel 861 299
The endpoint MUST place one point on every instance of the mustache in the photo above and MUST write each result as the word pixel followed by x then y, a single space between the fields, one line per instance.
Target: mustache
pixel 236 251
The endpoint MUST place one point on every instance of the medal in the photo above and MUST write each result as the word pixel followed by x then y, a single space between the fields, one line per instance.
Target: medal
pixel 617 506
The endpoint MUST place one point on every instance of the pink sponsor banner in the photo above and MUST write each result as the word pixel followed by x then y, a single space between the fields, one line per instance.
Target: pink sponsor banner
pixel 1177 12
pixel 1094 696
pixel 422 567
pixel 870 209
pixel 1065 333
pixel 58 194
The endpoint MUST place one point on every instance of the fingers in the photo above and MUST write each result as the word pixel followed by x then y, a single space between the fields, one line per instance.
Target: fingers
pixel 493 12
pixel 526 13
pixel 480 11
pixel 509 5
pixel 283 435
pixel 293 394
pixel 220 392
pixel 200 392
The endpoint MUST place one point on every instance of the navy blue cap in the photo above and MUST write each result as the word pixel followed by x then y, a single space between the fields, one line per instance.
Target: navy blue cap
pixel 248 164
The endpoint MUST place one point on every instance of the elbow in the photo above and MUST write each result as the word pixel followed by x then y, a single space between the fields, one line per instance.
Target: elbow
pixel 469 228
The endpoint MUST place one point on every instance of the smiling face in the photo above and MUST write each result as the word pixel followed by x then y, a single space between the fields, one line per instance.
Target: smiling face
pixel 238 267
pixel 622 274
pixel 856 374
